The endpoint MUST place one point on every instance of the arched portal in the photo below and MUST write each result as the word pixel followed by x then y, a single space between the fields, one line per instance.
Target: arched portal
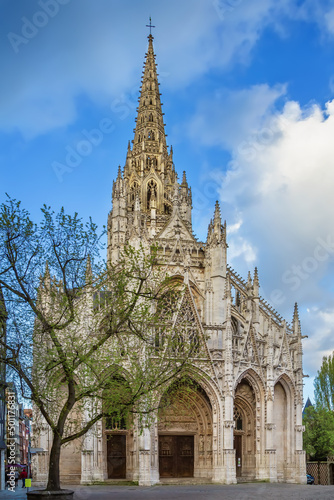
pixel 244 430
pixel 185 432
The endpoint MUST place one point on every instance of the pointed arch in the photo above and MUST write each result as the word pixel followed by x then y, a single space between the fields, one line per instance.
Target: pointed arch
pixel 284 420
pixel 285 380
pixel 188 420
pixel 254 379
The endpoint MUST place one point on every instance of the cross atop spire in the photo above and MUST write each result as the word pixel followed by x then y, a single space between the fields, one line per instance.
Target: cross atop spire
pixel 150 26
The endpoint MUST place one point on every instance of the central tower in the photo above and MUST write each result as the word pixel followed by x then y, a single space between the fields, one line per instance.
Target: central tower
pixel 147 191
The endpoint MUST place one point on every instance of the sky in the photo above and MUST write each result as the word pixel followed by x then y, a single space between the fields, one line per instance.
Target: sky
pixel 248 93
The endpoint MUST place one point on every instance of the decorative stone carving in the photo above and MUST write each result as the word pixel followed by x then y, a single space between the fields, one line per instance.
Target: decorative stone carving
pixel 234 331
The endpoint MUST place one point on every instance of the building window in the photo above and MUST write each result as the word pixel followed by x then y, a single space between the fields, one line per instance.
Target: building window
pixel 237 420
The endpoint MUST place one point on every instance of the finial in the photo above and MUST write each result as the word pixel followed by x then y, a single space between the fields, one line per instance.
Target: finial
pixel 150 26
pixel 137 203
pixel 296 320
pixel 217 210
pixel 249 280
pixel 256 276
pixel 184 179
pixel 217 218
pixel 228 294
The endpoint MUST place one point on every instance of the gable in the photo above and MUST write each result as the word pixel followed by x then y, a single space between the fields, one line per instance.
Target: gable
pixel 175 229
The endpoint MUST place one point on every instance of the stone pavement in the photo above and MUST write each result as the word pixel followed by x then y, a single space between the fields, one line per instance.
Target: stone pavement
pixel 244 491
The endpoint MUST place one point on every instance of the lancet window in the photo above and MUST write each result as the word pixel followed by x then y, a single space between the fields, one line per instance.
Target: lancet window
pixel 133 191
pixel 237 420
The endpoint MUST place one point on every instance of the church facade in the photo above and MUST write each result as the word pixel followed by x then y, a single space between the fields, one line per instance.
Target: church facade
pixel 245 422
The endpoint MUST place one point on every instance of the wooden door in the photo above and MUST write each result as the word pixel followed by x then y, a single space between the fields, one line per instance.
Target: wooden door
pixel 238 454
pixel 116 456
pixel 185 456
pixel 176 456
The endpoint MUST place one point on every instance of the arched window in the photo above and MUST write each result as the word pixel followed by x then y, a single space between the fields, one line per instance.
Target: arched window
pixel 116 397
pixel 133 191
pixel 237 417
pixel 150 117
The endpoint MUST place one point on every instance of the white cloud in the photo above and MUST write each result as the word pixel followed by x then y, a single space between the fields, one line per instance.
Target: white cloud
pixel 282 182
pixel 239 247
pixel 277 196
pixel 321 323
pixel 96 50
pixel 329 21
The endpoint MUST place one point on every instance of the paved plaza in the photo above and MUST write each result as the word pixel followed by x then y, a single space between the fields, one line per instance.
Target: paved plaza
pixel 194 492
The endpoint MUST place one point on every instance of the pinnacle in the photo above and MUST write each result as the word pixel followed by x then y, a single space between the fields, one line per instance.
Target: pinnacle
pixel 184 179
pixel 217 216
pixel 228 287
pixel 256 276
pixel 296 321
pixel 137 204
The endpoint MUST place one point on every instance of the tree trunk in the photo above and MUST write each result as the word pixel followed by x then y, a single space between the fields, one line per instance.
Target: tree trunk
pixel 54 463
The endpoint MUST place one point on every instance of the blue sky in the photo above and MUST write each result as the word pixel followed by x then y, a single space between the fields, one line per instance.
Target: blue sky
pixel 248 93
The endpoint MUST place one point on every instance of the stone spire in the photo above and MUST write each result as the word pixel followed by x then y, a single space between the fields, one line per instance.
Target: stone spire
pixel 149 168
pixel 296 321
pixel 150 131
pixel 256 284
pixel 216 231
pixel 147 192
pixel 185 200
pixel 249 283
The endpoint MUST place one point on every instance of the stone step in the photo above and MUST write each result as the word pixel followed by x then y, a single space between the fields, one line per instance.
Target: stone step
pixel 116 482
pixel 185 480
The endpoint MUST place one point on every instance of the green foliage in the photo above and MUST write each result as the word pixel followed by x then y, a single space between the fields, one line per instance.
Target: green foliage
pixel 324 384
pixel 88 339
pixel 319 433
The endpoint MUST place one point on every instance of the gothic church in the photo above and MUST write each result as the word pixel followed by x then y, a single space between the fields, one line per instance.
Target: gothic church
pixel 246 420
